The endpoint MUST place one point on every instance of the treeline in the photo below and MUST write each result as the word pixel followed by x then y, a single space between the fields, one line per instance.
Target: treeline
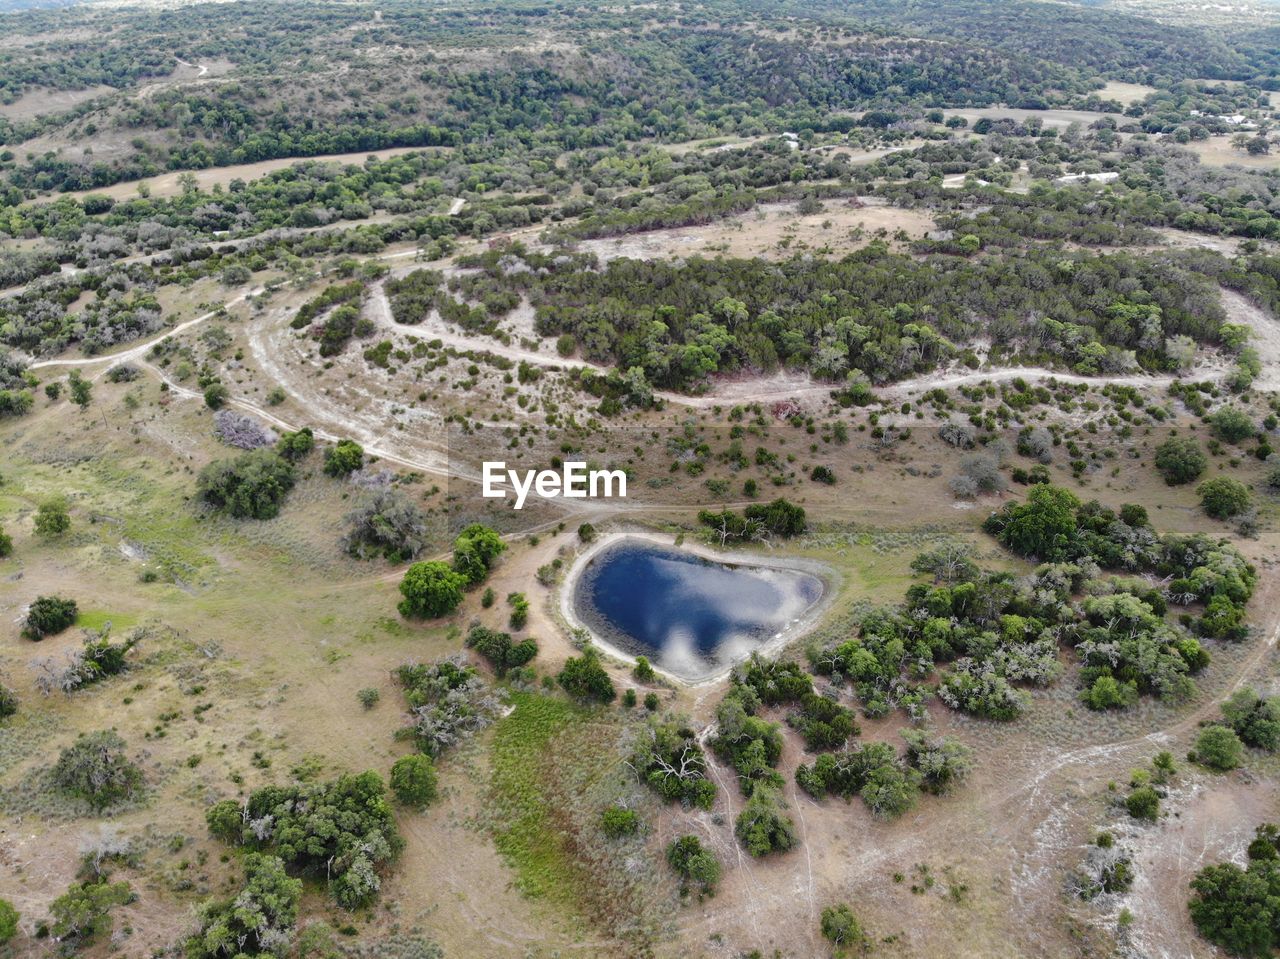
pixel 873 314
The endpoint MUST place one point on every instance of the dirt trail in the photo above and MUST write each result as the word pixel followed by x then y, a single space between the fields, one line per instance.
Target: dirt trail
pixel 1265 339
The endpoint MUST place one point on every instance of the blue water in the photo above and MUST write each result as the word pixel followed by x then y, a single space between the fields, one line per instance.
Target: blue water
pixel 690 616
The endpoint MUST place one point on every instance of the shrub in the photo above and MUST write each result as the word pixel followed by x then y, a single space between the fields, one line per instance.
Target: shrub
pixel 694 864
pixel 1219 748
pixel 8 921
pixel 343 458
pixel 6 544
pixel 252 486
pixel 1180 460
pixel 498 648
pixel 943 763
pixel 1231 425
pixel 587 533
pixel 519 604
pixel 49 615
pixel 257 921
pixel 216 396
pixel 584 678
pixel 294 447
pixel 617 822
pixel 643 670
pixel 430 589
pixel 1109 693
pixel 1143 803
pixel 386 523
pixel 1236 908
pixel 243 432
pixel 447 701
pixel 1254 719
pixel 96 769
pixel 368 697
pixel 8 701
pixel 413 780
pixel 1223 498
pixel 52 518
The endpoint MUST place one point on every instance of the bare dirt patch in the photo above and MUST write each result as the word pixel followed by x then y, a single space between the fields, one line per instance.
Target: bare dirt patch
pixel 40 102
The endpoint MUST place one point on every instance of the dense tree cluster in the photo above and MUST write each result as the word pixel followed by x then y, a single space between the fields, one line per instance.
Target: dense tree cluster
pixel 447 702
pixel 1237 908
pixel 341 830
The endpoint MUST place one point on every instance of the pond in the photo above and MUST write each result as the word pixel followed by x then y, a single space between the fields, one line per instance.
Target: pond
pixel 692 617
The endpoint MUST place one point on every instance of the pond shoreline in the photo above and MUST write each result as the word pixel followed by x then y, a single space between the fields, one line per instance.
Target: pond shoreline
pixel 827 576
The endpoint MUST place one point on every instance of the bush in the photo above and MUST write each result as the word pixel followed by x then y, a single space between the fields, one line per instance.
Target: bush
pixel 762 826
pixel 642 671
pixel 430 589
pixel 1108 693
pixel 1143 803
pixel 1223 498
pixel 841 927
pixel 6 544
pixel 498 648
pixel 413 780
pixel 52 518
pixel 587 533
pixel 1254 719
pixel 294 447
pixel 216 396
pixel 1231 425
pixel 1236 908
pixel 256 921
pixel 252 486
pixel 243 432
pixel 1219 748
pixel 8 701
pixel 694 864
pixel 343 458
pixel 584 678
pixel 1180 460
pixel 387 523
pixel 49 615
pixel 519 604
pixel 8 921
pixel 617 822
pixel 368 697
pixel 96 769
pixel 670 761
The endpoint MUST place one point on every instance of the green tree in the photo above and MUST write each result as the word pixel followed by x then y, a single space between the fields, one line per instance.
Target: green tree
pixel 584 678
pixel 81 390
pixel 762 826
pixel 1219 748
pixel 413 780
pixel 1043 526
pixel 1180 460
pixel 251 486
pixel 841 927
pixel 52 518
pixel 694 864
pixel 343 458
pixel 49 615
pixel 474 551
pixel 83 912
pixel 1223 498
pixel 430 589
pixel 257 921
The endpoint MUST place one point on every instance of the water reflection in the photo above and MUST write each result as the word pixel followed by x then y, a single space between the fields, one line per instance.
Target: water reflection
pixel 690 616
